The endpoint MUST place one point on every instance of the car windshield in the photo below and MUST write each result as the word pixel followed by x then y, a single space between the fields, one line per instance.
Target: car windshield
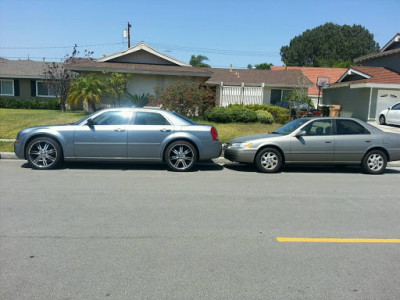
pixel 290 127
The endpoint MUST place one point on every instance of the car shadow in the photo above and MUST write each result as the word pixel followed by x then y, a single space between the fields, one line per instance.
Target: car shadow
pixel 125 166
pixel 307 169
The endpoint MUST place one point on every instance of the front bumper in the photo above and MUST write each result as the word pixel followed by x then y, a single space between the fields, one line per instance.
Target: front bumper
pixel 19 149
pixel 240 155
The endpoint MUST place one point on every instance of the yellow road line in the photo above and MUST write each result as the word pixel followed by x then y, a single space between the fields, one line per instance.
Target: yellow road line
pixel 334 240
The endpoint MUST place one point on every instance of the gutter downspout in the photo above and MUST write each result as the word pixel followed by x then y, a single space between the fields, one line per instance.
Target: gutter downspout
pixel 369 106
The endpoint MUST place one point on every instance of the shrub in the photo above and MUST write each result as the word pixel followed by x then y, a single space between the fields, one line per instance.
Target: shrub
pixel 29 103
pixel 280 114
pixel 219 115
pixel 264 116
pixel 186 98
pixel 231 114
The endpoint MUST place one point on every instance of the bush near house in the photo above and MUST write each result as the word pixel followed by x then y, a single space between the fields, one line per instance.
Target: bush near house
pixel 231 114
pixel 248 113
pixel 29 103
pixel 186 98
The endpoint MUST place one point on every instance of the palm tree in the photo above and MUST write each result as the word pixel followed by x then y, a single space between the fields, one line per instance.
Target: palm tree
pixel 197 61
pixel 89 89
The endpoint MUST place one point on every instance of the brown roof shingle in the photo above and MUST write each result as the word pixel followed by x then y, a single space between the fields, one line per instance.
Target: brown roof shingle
pixel 91 65
pixel 379 75
pixel 23 68
pixel 313 73
pixel 269 78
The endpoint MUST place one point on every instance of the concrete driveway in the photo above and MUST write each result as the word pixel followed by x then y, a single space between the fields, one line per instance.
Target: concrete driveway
pixel 387 128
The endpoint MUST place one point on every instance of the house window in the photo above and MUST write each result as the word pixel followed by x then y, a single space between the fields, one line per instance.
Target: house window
pixel 7 87
pixel 44 89
pixel 279 95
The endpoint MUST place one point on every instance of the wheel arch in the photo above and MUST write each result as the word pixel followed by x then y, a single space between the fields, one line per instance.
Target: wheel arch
pixel 271 146
pixel 181 139
pixel 379 149
pixel 47 135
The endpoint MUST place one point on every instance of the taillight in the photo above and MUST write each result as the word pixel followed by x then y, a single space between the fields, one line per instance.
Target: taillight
pixel 214 134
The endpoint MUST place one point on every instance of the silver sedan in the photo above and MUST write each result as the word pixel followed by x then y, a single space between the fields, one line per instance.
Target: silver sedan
pixel 317 141
pixel 121 134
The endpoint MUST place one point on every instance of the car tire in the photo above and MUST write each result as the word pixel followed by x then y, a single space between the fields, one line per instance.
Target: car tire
pixel 382 120
pixel 180 156
pixel 44 153
pixel 374 162
pixel 268 160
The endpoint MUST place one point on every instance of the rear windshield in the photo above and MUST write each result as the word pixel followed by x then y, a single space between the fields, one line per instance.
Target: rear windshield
pixel 185 120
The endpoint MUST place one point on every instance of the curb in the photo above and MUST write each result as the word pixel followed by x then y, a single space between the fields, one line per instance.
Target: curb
pixel 219 160
pixel 8 155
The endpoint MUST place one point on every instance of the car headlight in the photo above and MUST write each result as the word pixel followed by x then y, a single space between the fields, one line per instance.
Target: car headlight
pixel 241 145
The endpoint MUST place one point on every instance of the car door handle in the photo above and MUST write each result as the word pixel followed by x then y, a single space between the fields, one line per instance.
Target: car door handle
pixel 165 130
pixel 119 129
pixel 328 142
pixel 368 141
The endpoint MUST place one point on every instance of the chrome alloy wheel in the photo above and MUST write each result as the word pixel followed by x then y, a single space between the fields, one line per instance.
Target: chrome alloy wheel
pixel 181 157
pixel 375 162
pixel 269 160
pixel 42 154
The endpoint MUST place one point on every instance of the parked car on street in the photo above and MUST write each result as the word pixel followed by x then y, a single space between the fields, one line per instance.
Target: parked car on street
pixel 121 134
pixel 299 109
pixel 317 141
pixel 390 115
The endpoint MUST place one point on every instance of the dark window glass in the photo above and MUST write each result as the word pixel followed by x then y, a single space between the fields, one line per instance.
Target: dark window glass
pixel 320 127
pixel 397 107
pixel 148 118
pixel 112 118
pixel 345 127
pixel 276 96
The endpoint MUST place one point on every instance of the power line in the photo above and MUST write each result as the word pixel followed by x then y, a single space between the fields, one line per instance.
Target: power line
pixel 60 47
pixel 168 47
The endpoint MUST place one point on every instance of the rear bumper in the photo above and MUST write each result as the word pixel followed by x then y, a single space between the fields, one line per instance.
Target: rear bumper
pixel 210 151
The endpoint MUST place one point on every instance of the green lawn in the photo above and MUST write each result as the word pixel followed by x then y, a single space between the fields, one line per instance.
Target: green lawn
pixel 13 120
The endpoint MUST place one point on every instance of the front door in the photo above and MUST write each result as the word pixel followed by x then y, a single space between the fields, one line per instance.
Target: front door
pixel 147 134
pixel 316 145
pixel 106 138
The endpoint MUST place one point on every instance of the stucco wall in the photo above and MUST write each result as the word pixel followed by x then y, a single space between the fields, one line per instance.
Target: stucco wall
pixel 142 57
pixel 391 62
pixel 354 102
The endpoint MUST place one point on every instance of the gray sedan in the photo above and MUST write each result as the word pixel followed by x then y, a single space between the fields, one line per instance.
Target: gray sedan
pixel 121 134
pixel 318 141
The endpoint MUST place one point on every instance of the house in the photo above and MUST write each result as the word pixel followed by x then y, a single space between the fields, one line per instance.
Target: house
pixel 364 91
pixel 24 79
pixel 388 57
pixel 313 73
pixel 255 86
pixel 151 68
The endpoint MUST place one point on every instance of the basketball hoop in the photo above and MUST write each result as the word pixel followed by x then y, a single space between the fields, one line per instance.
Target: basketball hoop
pixel 322 82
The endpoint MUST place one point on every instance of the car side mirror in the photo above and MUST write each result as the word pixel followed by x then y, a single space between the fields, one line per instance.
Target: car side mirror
pixel 89 122
pixel 301 133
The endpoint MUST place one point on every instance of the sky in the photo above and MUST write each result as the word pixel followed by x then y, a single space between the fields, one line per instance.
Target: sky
pixel 227 32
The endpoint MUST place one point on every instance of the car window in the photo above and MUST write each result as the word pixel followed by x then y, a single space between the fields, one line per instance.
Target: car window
pixel 396 107
pixel 112 118
pixel 149 118
pixel 346 127
pixel 319 127
pixel 290 127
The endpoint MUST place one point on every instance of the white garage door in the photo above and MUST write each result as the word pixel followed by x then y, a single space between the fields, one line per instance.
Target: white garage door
pixel 386 98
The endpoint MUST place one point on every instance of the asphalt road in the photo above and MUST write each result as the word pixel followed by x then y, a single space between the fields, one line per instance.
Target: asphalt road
pixel 95 231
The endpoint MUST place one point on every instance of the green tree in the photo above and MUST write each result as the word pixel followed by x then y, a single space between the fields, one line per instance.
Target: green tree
pixel 117 84
pixel 262 66
pixel 89 89
pixel 197 61
pixel 328 45
pixel 186 98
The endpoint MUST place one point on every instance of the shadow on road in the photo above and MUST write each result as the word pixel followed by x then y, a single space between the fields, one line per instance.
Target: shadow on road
pixel 124 166
pixel 308 169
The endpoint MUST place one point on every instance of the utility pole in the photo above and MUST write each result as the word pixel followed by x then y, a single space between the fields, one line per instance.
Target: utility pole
pixel 129 35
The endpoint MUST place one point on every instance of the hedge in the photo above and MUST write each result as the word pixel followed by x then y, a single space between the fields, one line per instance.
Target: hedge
pixel 29 103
